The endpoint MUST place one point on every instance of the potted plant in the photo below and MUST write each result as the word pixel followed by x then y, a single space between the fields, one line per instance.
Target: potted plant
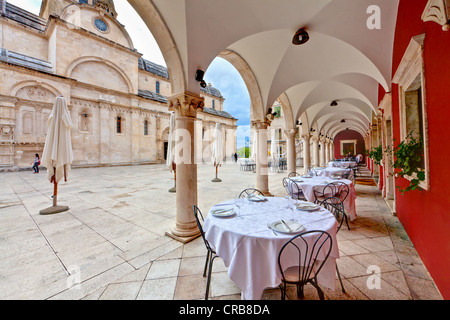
pixel 407 161
pixel 376 154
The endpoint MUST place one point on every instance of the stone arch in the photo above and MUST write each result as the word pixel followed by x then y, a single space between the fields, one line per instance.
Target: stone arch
pixel 35 90
pixel 90 59
pixel 257 109
pixel 163 36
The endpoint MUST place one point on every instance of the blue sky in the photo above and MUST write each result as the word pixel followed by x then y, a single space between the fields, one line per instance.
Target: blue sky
pixel 221 74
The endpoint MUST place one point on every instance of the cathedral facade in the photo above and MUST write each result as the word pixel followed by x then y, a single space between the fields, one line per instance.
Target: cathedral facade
pixel 117 99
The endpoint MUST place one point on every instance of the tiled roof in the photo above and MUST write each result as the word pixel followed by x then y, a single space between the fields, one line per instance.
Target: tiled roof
pixel 152 96
pixel 24 17
pixel 153 68
pixel 218 113
pixel 25 61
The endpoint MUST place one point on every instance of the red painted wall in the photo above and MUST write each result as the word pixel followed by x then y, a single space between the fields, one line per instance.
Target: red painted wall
pixel 348 135
pixel 425 215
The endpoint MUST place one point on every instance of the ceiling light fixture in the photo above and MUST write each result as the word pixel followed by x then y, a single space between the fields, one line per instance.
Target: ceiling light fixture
pixel 342 121
pixel 334 103
pixel 199 77
pixel 300 37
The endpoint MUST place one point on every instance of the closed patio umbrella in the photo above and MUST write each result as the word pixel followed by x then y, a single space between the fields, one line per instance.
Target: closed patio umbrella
pixel 217 150
pixel 170 157
pixel 273 153
pixel 58 154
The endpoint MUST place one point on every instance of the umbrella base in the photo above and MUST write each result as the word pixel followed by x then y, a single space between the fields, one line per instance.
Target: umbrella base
pixel 174 189
pixel 216 180
pixel 53 210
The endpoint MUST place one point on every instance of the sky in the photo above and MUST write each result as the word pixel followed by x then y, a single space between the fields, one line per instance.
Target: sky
pixel 221 74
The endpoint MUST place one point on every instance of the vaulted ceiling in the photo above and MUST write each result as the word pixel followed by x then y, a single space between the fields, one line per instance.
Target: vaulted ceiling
pixel 344 60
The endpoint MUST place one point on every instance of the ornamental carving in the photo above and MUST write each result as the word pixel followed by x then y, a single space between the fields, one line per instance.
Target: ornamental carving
pixel 260 125
pixel 186 104
pixel 438 11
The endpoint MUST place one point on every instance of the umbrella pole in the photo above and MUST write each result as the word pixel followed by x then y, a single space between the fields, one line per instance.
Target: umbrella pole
pixel 55 208
pixel 216 179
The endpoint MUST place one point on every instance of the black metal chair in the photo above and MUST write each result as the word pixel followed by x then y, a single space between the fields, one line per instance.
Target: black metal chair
pixel 308 267
pixel 336 207
pixel 327 191
pixel 294 174
pixel 250 191
pixel 293 189
pixel 211 254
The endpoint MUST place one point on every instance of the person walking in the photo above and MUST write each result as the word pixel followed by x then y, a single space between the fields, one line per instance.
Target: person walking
pixel 36 162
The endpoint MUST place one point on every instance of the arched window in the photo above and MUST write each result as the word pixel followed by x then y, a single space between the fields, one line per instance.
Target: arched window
pixel 145 128
pixel 119 124
pixel 157 87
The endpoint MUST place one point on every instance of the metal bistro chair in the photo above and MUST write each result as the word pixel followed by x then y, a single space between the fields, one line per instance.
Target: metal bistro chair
pixel 250 191
pixel 341 192
pixel 336 207
pixel 308 265
pixel 328 191
pixel 349 175
pixel 211 254
pixel 294 174
pixel 293 189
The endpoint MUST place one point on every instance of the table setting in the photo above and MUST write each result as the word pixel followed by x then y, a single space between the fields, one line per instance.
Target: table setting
pixel 249 240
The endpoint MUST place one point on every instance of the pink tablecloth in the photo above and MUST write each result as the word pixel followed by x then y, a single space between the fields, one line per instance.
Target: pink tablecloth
pixel 250 249
pixel 308 185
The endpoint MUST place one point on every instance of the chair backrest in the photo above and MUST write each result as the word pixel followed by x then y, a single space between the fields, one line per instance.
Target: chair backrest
pixel 293 174
pixel 336 207
pixel 250 191
pixel 341 190
pixel 346 174
pixel 199 218
pixel 327 191
pixel 292 188
pixel 307 247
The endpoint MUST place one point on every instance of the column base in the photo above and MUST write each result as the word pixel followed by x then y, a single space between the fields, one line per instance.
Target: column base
pixel 216 180
pixel 181 239
pixel 53 210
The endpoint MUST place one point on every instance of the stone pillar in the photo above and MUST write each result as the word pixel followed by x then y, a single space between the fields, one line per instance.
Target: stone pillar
pixel 105 125
pixel 290 152
pixel 327 151
pixel 306 153
pixel 7 129
pixel 262 168
pixel 185 106
pixel 322 152
pixel 315 141
pixel 135 135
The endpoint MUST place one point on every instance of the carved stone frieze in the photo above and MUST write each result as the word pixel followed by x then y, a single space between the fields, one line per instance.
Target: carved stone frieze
pixel 186 104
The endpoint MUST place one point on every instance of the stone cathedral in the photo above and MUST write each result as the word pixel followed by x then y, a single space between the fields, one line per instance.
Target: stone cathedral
pixel 117 100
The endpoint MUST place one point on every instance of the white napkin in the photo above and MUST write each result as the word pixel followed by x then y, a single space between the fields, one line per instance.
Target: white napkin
pixel 306 205
pixel 222 211
pixel 293 226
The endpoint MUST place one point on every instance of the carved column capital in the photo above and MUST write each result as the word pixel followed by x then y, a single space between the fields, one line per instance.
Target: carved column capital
pixel 290 133
pixel 306 137
pixel 260 125
pixel 186 104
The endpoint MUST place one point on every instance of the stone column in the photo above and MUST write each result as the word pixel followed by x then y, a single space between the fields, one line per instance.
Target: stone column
pixel 106 124
pixel 322 152
pixel 315 141
pixel 290 152
pixel 327 151
pixel 7 128
pixel 306 152
pixel 262 168
pixel 185 106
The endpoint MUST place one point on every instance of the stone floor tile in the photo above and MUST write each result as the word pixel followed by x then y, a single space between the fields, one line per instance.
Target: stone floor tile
pixel 121 291
pixel 158 289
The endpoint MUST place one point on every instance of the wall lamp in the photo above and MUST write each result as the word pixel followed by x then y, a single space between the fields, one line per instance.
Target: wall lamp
pixel 199 77
pixel 334 103
pixel 300 37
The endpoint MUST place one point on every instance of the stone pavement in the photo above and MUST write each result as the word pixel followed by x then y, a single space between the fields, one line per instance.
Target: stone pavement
pixel 111 243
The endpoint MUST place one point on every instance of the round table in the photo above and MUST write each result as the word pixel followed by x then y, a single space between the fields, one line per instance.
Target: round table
pixel 249 248
pixel 343 164
pixel 308 185
pixel 333 171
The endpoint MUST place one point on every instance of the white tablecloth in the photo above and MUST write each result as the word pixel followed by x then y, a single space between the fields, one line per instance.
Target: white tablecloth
pixel 250 249
pixel 342 164
pixel 333 171
pixel 308 185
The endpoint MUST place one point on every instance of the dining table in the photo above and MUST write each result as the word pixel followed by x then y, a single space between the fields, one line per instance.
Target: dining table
pixel 316 183
pixel 343 164
pixel 334 172
pixel 249 238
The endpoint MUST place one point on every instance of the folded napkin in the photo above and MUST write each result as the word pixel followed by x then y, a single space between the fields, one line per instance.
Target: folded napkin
pixel 222 211
pixel 292 225
pixel 306 205
pixel 256 197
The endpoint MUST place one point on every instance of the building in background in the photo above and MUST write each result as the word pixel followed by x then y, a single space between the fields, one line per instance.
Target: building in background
pixel 117 99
